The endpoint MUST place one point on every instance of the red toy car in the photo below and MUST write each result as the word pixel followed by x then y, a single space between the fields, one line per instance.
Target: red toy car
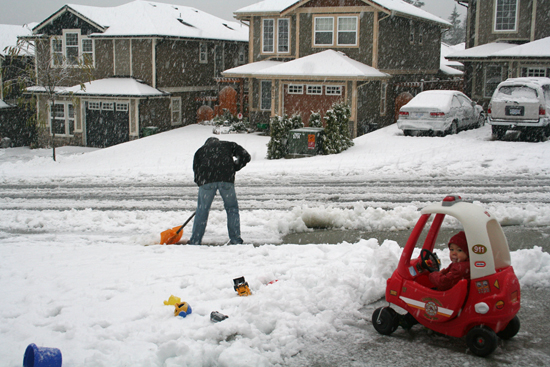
pixel 481 309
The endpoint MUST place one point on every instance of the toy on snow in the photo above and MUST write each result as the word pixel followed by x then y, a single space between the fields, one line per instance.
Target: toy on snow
pixel 241 286
pixel 481 309
pixel 182 309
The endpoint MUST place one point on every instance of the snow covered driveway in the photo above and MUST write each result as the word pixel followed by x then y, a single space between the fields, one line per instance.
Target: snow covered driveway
pixel 75 272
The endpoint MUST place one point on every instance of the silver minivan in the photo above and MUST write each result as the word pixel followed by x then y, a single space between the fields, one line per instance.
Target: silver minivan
pixel 521 104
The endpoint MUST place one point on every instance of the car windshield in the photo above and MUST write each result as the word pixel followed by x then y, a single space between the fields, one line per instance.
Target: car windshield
pixel 517 93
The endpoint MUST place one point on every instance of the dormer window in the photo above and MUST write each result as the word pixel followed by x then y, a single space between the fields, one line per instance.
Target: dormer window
pixel 506 13
pixel 71 48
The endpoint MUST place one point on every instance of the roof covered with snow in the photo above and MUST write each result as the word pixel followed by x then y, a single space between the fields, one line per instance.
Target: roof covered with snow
pixel 147 18
pixel 9 34
pixel 327 64
pixel 108 87
pixel 448 66
pixel 538 48
pixel 394 7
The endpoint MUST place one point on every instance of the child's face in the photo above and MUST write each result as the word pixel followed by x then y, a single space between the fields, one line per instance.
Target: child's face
pixel 456 254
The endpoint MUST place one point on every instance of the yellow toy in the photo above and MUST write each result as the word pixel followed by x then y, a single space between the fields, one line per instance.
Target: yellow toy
pixel 182 309
pixel 241 287
pixel 172 301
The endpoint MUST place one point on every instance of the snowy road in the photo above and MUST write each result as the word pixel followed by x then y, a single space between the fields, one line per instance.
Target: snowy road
pixel 274 194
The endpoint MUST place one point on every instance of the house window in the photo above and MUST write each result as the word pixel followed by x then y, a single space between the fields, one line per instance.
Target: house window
pixel 493 76
pixel 268 31
pixel 314 89
pixel 176 110
pixel 333 90
pixel 57 51
pixel 94 105
pixel 282 31
pixel 506 15
pixel 241 59
pixel 347 31
pixel 265 100
pixel 203 53
pixel 62 119
pixel 122 107
pixel 420 36
pixel 87 51
pixel 108 106
pixel 535 72
pixel 283 35
pixel 411 32
pixel 324 31
pixel 383 98
pixel 295 89
pixel 71 49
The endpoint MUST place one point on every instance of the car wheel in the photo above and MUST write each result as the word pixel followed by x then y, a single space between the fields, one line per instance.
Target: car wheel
pixel 498 132
pixel 481 340
pixel 385 320
pixel 407 132
pixel 510 330
pixel 453 129
pixel 481 120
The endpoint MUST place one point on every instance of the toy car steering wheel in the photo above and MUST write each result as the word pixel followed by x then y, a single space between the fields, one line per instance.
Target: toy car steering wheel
pixel 426 255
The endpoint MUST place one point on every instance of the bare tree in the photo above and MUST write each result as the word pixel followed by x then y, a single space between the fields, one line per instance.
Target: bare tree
pixel 50 74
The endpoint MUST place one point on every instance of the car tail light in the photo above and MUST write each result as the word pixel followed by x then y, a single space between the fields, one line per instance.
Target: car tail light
pixel 403 113
pixel 437 114
pixel 542 111
pixel 489 109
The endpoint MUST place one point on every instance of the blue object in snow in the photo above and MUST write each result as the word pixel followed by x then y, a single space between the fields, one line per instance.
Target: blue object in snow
pixel 42 357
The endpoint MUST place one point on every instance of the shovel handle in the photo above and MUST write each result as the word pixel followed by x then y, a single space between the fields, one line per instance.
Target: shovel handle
pixel 184 224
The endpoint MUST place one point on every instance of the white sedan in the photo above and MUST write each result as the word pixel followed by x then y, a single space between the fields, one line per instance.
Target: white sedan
pixel 440 112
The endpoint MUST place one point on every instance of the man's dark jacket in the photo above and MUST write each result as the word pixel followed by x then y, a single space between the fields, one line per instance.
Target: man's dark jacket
pixel 217 161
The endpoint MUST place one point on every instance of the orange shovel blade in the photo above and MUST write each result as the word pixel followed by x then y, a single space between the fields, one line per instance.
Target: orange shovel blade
pixel 170 236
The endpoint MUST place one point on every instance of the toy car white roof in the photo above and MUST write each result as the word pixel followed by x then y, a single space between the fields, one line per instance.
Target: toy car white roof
pixel 487 244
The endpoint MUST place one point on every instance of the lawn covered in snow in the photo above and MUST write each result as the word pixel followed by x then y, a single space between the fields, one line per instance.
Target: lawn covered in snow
pixel 92 283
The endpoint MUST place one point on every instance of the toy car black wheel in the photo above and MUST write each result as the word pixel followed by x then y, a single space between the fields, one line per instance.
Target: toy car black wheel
pixel 481 340
pixel 510 330
pixel 385 320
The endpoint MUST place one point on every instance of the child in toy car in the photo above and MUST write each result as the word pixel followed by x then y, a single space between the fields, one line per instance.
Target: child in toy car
pixel 458 269
pixel 481 307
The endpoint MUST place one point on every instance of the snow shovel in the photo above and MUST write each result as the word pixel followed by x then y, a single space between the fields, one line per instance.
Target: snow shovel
pixel 173 235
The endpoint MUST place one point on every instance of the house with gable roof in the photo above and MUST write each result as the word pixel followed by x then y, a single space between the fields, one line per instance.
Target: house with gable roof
pixel 504 39
pixel 153 65
pixel 304 55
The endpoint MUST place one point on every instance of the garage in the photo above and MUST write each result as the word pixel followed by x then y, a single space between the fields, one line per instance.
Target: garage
pixel 107 123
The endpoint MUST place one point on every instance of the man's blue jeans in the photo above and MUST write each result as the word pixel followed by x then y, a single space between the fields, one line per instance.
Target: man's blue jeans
pixel 206 196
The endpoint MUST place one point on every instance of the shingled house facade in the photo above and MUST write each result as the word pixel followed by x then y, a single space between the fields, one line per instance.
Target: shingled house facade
pixel 305 55
pixel 504 39
pixel 153 64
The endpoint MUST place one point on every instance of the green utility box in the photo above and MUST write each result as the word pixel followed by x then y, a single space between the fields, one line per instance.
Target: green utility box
pixel 305 142
pixel 149 130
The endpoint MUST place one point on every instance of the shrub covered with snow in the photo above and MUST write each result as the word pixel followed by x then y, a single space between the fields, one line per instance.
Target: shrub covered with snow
pixel 337 136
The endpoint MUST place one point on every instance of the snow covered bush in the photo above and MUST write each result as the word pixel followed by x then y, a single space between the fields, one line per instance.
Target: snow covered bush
pixel 296 122
pixel 279 128
pixel 337 136
pixel 315 120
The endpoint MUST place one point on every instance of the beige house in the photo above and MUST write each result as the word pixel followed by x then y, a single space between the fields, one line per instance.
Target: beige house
pixel 306 54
